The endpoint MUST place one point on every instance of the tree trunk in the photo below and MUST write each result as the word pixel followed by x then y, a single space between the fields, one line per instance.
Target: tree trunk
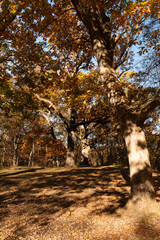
pixel 70 161
pixel 15 152
pixel 31 155
pixel 3 154
pixel 46 151
pixel 138 156
pixel 99 28
pixel 142 189
pixel 85 152
pixel 71 129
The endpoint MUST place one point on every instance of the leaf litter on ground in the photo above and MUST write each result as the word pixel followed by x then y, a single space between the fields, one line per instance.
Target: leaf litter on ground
pixel 71 204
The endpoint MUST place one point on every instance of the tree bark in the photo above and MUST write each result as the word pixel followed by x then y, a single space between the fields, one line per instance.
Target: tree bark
pixel 70 161
pixel 15 151
pixel 140 169
pixel 31 155
pixel 71 129
pixel 138 155
pixel 3 153
pixel 85 152
pixel 84 146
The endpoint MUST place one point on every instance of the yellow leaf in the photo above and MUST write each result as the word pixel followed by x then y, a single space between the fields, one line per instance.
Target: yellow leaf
pixel 136 26
pixel 144 3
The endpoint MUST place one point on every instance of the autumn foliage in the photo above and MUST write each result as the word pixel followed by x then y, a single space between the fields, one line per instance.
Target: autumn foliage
pixel 48 71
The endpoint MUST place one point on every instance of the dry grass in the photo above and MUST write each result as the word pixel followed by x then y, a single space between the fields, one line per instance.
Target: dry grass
pixel 81 203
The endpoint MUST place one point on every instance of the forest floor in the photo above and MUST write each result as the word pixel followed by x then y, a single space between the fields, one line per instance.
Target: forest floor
pixel 70 204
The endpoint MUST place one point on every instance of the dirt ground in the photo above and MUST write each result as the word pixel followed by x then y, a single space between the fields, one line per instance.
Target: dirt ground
pixel 70 204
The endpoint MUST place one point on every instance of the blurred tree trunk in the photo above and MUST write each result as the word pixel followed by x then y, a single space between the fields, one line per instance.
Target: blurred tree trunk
pixel 3 153
pixel 31 155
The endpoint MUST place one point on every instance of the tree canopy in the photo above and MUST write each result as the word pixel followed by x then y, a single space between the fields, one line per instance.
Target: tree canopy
pixel 78 69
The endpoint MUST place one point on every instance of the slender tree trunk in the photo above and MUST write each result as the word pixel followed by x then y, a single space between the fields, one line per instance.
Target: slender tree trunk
pixel 31 155
pixel 46 150
pixel 139 163
pixel 3 154
pixel 15 151
pixel 38 152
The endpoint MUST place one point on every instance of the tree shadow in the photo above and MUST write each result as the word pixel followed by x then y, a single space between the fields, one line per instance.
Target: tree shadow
pixel 20 171
pixel 40 195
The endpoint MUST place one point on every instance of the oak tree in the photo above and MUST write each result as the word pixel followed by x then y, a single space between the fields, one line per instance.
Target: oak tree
pixel 97 19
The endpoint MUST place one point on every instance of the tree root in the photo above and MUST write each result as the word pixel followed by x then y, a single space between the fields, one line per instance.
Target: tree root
pixel 140 208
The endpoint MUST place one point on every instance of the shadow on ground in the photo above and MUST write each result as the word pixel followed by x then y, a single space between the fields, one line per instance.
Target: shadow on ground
pixel 39 197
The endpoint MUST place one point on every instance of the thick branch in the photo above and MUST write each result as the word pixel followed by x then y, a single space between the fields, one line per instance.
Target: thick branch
pixel 148 109
pixel 96 121
pixel 51 105
pixel 95 20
